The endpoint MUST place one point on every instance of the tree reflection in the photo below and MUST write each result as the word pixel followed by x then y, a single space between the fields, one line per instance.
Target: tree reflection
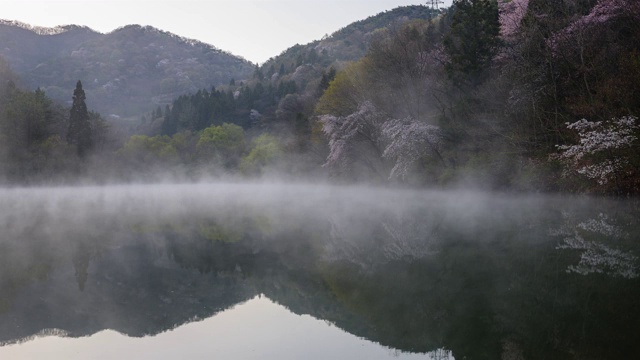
pixel 488 282
pixel 592 237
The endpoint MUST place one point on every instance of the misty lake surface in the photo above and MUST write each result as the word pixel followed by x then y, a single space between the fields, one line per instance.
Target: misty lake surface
pixel 295 271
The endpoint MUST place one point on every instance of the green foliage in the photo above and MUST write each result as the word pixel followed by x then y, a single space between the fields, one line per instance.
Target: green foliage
pixel 30 130
pixel 215 232
pixel 265 151
pixel 225 137
pixel 221 144
pixel 341 97
pixel 326 79
pixel 142 149
pixel 28 118
pixel 213 149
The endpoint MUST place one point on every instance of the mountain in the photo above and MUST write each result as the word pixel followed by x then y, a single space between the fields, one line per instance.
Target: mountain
pixel 125 72
pixel 352 41
pixel 281 93
pixel 133 69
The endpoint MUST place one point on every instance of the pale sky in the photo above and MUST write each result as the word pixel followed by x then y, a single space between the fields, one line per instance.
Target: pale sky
pixel 253 29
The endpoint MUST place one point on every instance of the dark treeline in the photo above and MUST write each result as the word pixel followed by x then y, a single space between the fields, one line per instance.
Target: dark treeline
pixel 205 108
pixel 42 140
pixel 527 95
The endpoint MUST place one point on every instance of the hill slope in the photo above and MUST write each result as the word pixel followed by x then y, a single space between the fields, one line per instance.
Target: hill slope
pixel 126 72
pixel 347 44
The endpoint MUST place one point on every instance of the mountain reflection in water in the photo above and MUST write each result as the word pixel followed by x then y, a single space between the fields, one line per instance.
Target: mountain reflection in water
pixel 256 329
pixel 389 273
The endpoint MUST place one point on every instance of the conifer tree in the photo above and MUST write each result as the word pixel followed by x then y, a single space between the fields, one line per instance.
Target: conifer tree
pixel 473 39
pixel 79 133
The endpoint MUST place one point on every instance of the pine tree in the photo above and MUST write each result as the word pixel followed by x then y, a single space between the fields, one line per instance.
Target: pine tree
pixel 79 133
pixel 473 40
pixel 326 80
pixel 170 122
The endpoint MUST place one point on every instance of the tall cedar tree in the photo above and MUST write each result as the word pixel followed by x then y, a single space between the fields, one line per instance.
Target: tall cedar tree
pixel 473 39
pixel 79 133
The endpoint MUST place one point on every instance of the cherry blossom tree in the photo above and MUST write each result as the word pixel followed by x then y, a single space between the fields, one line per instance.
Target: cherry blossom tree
pixel 595 60
pixel 602 13
pixel 410 140
pixel 370 137
pixel 511 14
pixel 599 155
pixel 355 139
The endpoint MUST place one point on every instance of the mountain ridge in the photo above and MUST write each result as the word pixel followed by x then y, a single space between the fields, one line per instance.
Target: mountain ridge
pixel 44 30
pixel 127 71
pixel 61 29
pixel 135 68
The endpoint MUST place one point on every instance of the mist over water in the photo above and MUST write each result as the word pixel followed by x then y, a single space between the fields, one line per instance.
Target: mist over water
pixel 446 273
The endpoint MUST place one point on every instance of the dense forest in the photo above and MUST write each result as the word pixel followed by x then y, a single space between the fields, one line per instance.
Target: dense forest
pixel 525 95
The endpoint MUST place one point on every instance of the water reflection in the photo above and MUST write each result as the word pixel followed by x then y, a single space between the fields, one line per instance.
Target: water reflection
pixel 256 329
pixel 597 240
pixel 485 276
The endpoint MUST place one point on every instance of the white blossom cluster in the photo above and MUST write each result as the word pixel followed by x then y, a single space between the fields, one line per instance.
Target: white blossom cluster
pixel 600 226
pixel 511 14
pixel 597 138
pixel 342 246
pixel 402 238
pixel 603 12
pixel 404 141
pixel 344 131
pixel 409 140
pixel 408 239
pixel 603 171
pixel 255 115
pixel 600 258
pixel 596 256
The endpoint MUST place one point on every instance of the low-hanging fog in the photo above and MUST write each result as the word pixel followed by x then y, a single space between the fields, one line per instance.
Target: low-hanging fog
pixel 344 220
pixel 146 258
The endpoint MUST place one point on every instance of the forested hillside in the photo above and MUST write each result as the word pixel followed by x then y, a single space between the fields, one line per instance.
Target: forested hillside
pixel 125 72
pixel 520 94
pixel 525 95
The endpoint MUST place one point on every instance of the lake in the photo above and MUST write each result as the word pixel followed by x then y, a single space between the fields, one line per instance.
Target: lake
pixel 291 271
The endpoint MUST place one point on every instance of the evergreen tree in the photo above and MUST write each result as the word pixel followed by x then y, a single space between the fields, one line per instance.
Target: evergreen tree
pixel 257 73
pixel 326 80
pixel 473 39
pixel 79 133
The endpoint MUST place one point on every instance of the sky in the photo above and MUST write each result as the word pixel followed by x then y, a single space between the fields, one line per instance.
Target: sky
pixel 253 29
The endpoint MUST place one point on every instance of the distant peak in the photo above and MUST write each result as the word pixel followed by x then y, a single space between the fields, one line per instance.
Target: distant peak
pixel 135 27
pixel 151 29
pixel 41 30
